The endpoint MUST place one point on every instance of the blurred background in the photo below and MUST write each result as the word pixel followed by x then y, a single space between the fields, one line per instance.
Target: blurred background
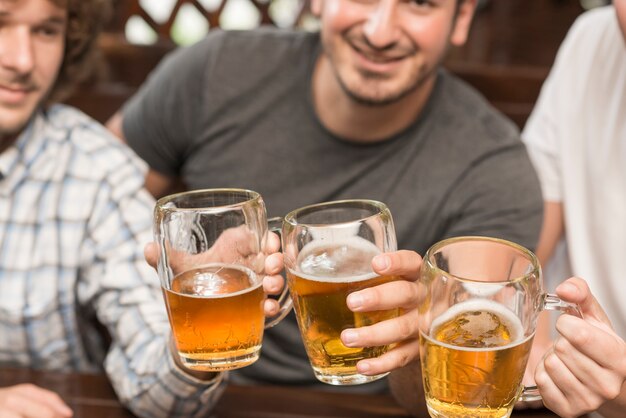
pixel 511 47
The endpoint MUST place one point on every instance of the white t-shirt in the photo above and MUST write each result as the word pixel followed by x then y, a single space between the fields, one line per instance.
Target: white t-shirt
pixel 576 137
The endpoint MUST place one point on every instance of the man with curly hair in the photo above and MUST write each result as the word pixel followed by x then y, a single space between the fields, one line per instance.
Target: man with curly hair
pixel 73 220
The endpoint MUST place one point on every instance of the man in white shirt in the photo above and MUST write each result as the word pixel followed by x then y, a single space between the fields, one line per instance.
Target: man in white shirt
pixel 576 138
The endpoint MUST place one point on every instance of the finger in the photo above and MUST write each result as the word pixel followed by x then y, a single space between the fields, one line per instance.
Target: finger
pixel 46 398
pixel 551 395
pixel 402 263
pixel 5 413
pixel 273 285
pixel 596 343
pixel 274 264
pixel 562 377
pixel 396 294
pixel 580 399
pixel 386 332
pixel 150 253
pixel 397 357
pixel 576 290
pixel 29 406
pixel 598 379
pixel 271 307
pixel 272 243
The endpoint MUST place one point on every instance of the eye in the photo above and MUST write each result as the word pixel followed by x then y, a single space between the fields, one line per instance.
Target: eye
pixel 48 31
pixel 421 4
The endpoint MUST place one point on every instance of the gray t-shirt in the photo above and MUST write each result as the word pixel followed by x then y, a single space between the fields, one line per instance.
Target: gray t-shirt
pixel 235 110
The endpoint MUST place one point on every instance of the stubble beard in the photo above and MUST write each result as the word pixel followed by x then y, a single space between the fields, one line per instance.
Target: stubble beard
pixel 422 75
pixel 12 130
pixel 377 100
pixel 367 81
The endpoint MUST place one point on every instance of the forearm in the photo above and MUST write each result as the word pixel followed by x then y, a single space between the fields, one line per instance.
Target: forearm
pixel 552 230
pixel 616 407
pixel 151 384
pixel 408 390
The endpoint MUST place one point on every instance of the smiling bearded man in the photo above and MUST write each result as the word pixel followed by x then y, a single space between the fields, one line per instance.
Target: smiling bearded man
pixel 361 109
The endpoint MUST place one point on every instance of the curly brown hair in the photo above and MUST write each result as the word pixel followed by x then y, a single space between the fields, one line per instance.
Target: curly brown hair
pixel 85 20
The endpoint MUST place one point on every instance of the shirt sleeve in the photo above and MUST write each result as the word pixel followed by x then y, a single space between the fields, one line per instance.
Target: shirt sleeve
pixel 126 295
pixel 543 132
pixel 160 120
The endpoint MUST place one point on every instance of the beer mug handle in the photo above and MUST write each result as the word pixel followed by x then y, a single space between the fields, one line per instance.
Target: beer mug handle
pixel 550 302
pixel 284 300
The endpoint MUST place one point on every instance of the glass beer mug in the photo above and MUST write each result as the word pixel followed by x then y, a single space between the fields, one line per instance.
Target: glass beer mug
pixel 328 250
pixel 211 266
pixel 481 300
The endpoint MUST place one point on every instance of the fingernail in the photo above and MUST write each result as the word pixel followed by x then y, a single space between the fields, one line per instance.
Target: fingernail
pixel 348 337
pixel 354 301
pixel 381 262
pixel 363 367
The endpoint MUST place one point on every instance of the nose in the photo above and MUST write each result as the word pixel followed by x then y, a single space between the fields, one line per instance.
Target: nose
pixel 16 50
pixel 381 28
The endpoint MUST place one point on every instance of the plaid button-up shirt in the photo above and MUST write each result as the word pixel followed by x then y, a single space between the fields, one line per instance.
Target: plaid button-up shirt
pixel 73 222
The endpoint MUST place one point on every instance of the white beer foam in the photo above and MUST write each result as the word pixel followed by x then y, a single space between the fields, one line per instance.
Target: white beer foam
pixel 339 267
pixel 350 279
pixel 213 280
pixel 512 322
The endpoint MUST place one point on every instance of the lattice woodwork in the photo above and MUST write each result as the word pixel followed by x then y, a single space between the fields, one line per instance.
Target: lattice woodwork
pixel 124 9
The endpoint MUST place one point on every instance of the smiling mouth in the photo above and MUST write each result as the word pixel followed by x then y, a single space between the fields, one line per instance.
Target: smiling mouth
pixel 17 90
pixel 12 95
pixel 376 57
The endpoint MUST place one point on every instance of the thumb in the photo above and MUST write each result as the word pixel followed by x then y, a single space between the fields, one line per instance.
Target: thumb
pixel 150 253
pixel 576 290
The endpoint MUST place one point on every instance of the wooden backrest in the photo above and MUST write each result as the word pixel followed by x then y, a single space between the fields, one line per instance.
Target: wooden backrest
pixel 512 90
pixel 128 64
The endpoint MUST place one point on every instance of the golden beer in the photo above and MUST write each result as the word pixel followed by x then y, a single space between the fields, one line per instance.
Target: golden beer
pixel 328 274
pixel 473 361
pixel 216 314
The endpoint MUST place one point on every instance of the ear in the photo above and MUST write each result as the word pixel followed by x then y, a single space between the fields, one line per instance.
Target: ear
pixel 463 21
pixel 316 7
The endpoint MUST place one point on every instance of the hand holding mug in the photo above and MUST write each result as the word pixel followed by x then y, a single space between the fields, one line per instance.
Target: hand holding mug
pixel 401 332
pixel 587 364
pixel 213 250
pixel 478 316
pixel 273 281
pixel 328 250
